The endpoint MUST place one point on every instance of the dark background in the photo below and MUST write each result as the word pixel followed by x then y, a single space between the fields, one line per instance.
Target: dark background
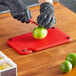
pixel 71 4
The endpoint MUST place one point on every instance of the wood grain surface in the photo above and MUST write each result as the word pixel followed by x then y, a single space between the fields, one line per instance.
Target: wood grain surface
pixel 46 62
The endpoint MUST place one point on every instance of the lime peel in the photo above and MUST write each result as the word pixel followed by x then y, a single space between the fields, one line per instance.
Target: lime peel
pixel 39 32
pixel 66 66
pixel 71 58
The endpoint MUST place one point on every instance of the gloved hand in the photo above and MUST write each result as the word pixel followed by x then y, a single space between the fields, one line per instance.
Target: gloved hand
pixel 46 18
pixel 18 10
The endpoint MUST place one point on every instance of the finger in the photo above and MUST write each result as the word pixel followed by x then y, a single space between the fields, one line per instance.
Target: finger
pixel 15 16
pixel 30 14
pixel 47 20
pixel 51 23
pixel 19 18
pixel 27 20
pixel 43 18
pixel 23 19
pixel 38 19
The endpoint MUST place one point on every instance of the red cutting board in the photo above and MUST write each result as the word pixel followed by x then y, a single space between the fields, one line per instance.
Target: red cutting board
pixel 26 44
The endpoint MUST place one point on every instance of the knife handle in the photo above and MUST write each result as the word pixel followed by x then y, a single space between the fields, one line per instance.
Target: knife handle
pixel 33 22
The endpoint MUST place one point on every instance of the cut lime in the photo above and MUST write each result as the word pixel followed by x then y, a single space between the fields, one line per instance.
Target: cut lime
pixel 66 66
pixel 72 58
pixel 1 68
pixel 5 66
pixel 1 58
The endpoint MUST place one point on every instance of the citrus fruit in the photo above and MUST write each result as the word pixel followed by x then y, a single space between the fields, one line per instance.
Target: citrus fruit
pixel 5 66
pixel 66 66
pixel 39 32
pixel 1 58
pixel 1 68
pixel 72 58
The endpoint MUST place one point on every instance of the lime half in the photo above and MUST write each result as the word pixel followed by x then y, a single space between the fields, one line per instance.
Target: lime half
pixel 1 68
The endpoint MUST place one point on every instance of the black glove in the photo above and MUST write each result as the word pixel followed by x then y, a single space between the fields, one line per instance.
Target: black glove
pixel 46 18
pixel 18 10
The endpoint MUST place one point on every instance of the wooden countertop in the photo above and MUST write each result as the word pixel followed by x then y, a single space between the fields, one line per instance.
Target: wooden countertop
pixel 46 62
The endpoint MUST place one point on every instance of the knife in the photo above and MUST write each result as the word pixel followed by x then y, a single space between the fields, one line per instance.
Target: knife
pixel 33 22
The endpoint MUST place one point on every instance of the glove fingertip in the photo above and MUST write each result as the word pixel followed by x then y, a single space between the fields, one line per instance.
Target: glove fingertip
pixel 38 19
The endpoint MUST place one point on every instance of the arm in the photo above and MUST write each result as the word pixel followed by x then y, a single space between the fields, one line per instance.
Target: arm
pixel 18 10
pixel 42 1
pixel 46 18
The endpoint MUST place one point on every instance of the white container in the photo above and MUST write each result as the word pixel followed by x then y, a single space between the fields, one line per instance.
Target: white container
pixel 2 55
pixel 11 71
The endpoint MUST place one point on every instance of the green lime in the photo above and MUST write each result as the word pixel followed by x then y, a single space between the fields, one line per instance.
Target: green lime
pixel 39 32
pixel 72 58
pixel 66 66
